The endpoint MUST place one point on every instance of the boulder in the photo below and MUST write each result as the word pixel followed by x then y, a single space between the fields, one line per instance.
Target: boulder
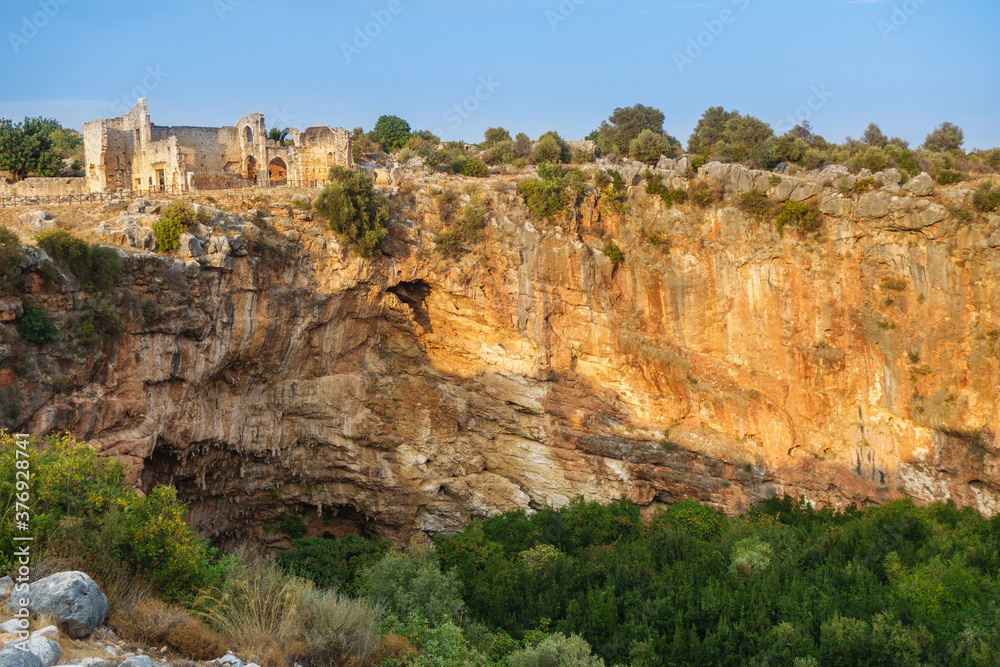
pixel 72 597
pixel 37 220
pixel 11 656
pixel 10 309
pixel 190 247
pixel 47 650
pixel 890 176
pixel 874 205
pixel 228 660
pixel 6 583
pixel 136 661
pixel 12 627
pixel 50 631
pixel 301 200
pixel 922 185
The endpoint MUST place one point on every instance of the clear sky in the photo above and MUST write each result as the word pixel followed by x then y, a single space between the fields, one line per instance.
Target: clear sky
pixel 457 67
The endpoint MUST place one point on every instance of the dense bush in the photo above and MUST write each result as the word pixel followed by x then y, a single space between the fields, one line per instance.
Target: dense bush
pixel 649 146
pixel 757 205
pixel 333 562
pixel 63 246
pixel 655 186
pixel 617 134
pixel 475 167
pixel 551 149
pixel 10 261
pixel 732 136
pixel 414 587
pixel 86 515
pixel 105 268
pixel 807 218
pixel 556 188
pixel 613 252
pixel 945 137
pixel 355 210
pixel 890 585
pixel 36 324
pixel 100 320
pixel 986 198
pixel 494 136
pixel 556 651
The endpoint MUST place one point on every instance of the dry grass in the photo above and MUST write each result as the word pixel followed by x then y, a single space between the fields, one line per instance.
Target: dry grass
pixel 155 623
pixel 274 617
pixel 396 648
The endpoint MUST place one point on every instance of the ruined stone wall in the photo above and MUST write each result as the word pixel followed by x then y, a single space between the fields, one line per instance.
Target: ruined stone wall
pixel 320 148
pixel 213 154
pixel 47 187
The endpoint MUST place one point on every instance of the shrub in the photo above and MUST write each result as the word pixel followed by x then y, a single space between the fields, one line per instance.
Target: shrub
pixel 625 126
pixel 167 232
pixel 755 204
pixel 447 205
pixel 751 556
pixel 945 137
pixel 10 261
pixel 36 324
pixel 807 218
pixel 705 194
pixel 551 148
pixel 986 198
pixel 294 525
pixel 475 167
pixel 333 562
pixel 950 177
pixel 414 586
pixel 502 152
pixel 863 185
pixel 613 252
pixel 872 158
pixel 355 210
pixel 545 197
pixel 62 246
pixel 105 268
pixel 670 197
pixel 336 628
pixel 601 179
pixel 494 136
pixel 556 650
pixel 649 146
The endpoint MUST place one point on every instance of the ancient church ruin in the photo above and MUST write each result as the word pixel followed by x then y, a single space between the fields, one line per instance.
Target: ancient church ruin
pixel 131 153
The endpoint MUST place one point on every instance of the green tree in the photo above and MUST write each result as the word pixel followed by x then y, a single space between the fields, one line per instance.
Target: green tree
pixel 649 146
pixel 874 136
pixel 356 210
pixel 728 134
pixel 624 125
pixel 392 132
pixel 414 586
pixel 551 148
pixel 494 136
pixel 945 137
pixel 27 148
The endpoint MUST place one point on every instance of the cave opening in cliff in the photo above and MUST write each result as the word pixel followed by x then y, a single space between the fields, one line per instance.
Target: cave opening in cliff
pixel 414 294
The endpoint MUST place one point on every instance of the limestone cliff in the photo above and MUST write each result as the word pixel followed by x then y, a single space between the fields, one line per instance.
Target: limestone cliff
pixel 858 363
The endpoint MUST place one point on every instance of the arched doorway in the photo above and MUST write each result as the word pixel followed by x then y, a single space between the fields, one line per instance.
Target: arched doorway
pixel 248 134
pixel 278 171
pixel 251 172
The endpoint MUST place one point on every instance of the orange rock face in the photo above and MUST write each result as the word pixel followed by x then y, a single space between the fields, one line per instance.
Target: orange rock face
pixel 856 364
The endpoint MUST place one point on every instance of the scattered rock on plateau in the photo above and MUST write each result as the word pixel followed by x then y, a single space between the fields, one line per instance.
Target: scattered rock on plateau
pixel 37 220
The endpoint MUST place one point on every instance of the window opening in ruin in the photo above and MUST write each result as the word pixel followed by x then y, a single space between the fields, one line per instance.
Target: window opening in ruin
pixel 248 133
pixel 137 136
pixel 278 171
pixel 251 169
pixel 162 179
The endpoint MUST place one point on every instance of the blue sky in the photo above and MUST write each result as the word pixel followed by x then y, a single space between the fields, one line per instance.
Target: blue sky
pixel 459 67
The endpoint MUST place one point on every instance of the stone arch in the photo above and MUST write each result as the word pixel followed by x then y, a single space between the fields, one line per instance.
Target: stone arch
pixel 251 168
pixel 286 136
pixel 278 171
pixel 248 134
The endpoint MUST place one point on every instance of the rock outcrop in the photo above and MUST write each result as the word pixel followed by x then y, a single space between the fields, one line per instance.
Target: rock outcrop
pixel 410 393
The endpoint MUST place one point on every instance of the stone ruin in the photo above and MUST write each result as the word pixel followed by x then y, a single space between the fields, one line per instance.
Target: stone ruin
pixel 130 153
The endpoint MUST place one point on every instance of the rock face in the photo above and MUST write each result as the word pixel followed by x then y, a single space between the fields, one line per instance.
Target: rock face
pixel 73 598
pixel 410 393
pixel 12 656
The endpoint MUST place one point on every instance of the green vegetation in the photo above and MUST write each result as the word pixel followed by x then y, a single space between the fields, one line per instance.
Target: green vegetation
pixel 551 149
pixel 587 584
pixel 392 132
pixel 11 254
pixel 945 137
pixel 452 243
pixel 36 324
pixel 100 320
pixel 475 167
pixel 36 146
pixel 757 205
pixel 620 134
pixel 729 135
pixel 355 210
pixel 494 136
pixel 556 188
pixel 986 198
pixel 613 252
pixel 806 218
pixel 655 186
pixel 176 219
